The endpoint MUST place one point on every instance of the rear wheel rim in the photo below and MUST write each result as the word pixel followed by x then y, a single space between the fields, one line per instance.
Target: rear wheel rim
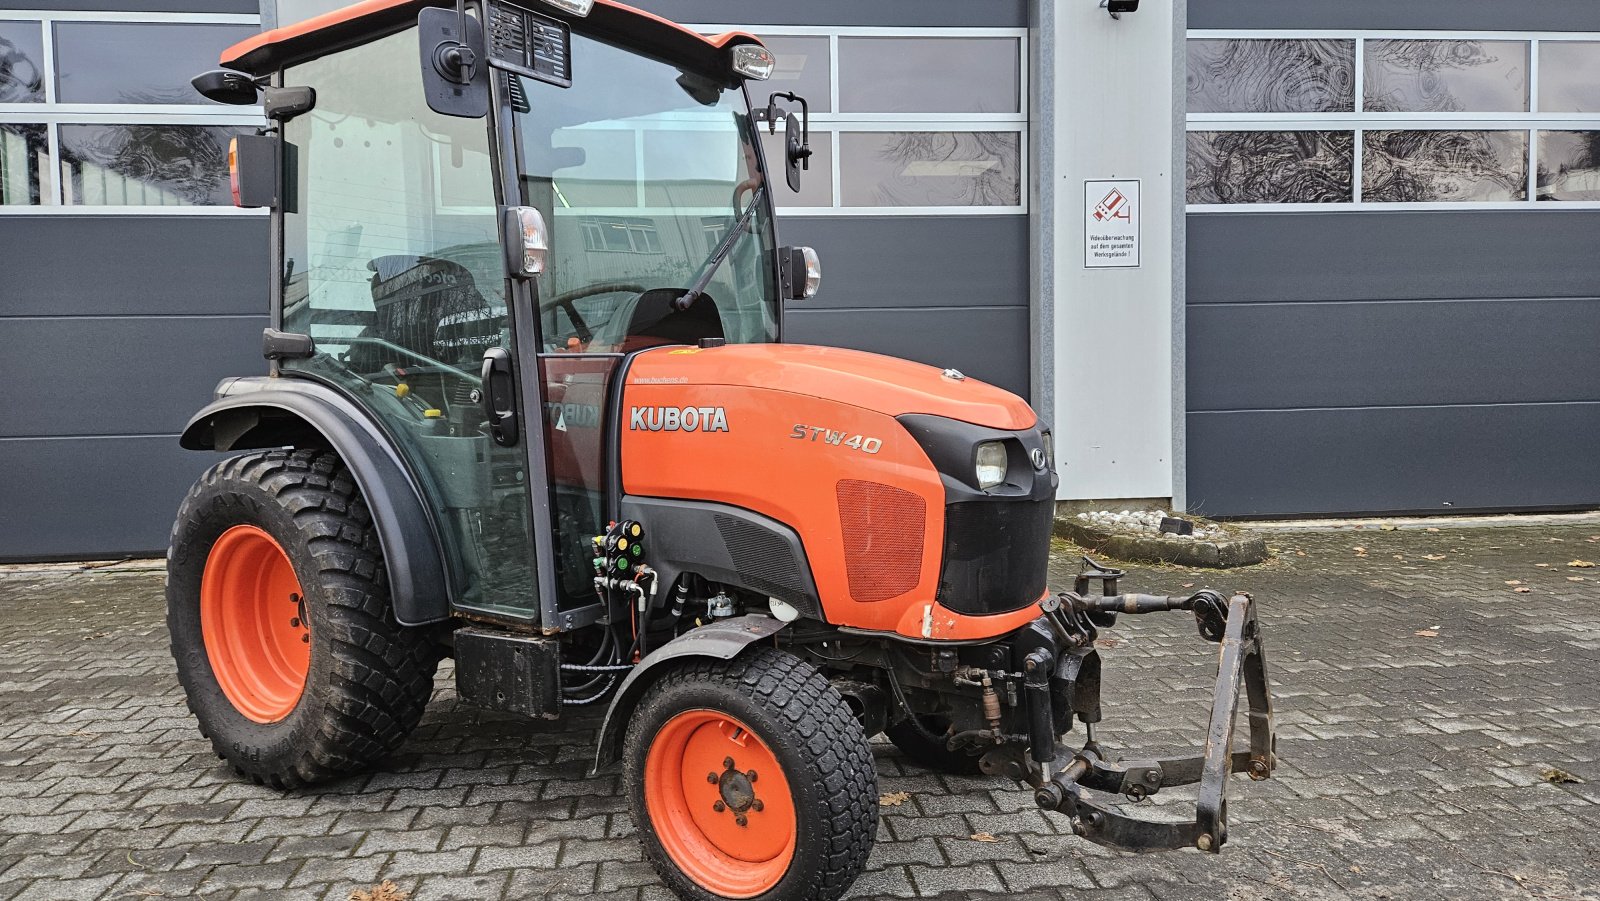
pixel 697 787
pixel 252 620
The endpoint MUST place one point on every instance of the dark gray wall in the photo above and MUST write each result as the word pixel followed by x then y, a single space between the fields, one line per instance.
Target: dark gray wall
pixel 1443 15
pixel 1375 362
pixel 115 330
pixel 948 291
pixel 884 13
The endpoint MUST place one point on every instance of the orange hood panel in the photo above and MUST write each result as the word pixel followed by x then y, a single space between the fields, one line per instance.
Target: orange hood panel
pixel 882 384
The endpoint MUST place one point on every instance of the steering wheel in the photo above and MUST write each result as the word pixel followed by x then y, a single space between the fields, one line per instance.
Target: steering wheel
pixel 567 301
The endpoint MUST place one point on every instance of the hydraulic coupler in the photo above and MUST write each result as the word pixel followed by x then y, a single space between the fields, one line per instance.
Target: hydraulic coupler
pixel 1063 781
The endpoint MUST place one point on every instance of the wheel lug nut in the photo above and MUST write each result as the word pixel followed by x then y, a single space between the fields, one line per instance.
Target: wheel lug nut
pixel 711 778
pixel 751 775
pixel 740 819
pixel 719 806
pixel 294 622
pixel 757 806
pixel 727 763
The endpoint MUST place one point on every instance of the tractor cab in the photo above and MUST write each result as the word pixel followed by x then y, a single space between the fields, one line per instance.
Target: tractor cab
pixel 456 189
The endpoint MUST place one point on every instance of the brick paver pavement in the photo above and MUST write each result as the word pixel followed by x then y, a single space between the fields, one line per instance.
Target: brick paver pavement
pixel 1411 762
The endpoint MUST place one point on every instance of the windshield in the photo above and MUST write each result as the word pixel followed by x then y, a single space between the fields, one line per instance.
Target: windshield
pixel 640 171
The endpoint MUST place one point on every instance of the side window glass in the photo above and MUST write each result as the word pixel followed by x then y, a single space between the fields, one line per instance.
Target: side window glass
pixel 392 265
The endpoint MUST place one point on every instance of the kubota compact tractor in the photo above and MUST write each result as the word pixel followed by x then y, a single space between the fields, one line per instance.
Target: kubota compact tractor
pixel 527 406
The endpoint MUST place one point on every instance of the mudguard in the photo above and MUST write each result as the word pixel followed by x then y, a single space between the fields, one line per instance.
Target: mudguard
pixel 719 640
pixel 262 412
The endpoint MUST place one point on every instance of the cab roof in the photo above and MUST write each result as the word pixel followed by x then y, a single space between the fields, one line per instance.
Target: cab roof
pixel 272 50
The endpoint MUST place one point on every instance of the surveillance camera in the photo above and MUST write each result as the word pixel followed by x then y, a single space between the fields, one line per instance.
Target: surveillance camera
pixel 1117 7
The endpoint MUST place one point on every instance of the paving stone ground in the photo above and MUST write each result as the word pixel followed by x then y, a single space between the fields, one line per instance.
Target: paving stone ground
pixel 1411 762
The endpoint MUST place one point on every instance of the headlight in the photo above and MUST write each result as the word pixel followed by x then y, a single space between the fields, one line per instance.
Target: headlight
pixel 991 464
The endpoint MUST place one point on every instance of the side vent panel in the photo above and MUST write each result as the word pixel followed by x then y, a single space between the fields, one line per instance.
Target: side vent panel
pixel 763 558
pixel 883 538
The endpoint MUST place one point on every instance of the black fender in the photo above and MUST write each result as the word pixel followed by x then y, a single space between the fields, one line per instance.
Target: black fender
pixel 262 412
pixel 719 640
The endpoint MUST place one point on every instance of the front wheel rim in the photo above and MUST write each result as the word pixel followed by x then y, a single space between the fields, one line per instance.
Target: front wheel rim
pixel 252 621
pixel 732 833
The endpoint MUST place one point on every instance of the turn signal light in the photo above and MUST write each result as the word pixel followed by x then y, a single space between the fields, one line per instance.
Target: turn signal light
pixel 528 241
pixel 233 170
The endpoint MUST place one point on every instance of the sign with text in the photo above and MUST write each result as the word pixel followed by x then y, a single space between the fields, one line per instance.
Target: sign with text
pixel 1111 224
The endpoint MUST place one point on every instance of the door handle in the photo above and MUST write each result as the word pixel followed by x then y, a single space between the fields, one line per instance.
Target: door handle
pixel 500 396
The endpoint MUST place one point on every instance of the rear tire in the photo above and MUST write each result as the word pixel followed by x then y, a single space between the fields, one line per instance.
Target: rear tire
pixel 928 754
pixel 299 688
pixel 811 815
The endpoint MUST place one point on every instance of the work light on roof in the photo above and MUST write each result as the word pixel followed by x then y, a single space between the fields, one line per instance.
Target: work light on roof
pixel 753 61
pixel 576 7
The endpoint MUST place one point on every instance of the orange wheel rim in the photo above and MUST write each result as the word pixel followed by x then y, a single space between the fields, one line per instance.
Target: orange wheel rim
pixel 698 787
pixel 252 619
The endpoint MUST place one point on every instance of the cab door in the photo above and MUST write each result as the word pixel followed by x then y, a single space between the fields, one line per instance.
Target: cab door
pixel 392 264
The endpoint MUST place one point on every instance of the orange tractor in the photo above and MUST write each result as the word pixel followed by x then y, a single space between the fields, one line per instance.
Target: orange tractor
pixel 527 406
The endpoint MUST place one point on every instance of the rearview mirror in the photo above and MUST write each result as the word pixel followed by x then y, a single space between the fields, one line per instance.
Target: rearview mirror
pixel 796 136
pixel 455 73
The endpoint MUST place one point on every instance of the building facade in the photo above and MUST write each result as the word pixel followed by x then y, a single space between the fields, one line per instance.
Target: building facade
pixel 1251 257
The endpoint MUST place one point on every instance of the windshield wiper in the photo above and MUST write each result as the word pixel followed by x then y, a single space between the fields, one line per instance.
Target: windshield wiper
pixel 740 225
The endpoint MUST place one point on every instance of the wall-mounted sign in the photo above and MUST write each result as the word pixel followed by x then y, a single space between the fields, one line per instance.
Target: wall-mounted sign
pixel 1111 224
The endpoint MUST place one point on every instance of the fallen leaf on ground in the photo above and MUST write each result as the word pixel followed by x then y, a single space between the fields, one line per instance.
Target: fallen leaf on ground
pixel 1360 551
pixel 1430 529
pixel 1522 590
pixel 984 837
pixel 893 799
pixel 1582 564
pixel 1400 557
pixel 1513 582
pixel 1426 633
pixel 1541 564
pixel 1433 556
pixel 1556 776
pixel 1574 578
pixel 1107 642
pixel 1299 553
pixel 1388 528
pixel 1188 585
pixel 382 891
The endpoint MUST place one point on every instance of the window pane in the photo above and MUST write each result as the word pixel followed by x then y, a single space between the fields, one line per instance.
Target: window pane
pixel 24 165
pixel 1426 166
pixel 930 75
pixel 1271 76
pixel 1569 76
pixel 115 62
pixel 21 62
pixel 1446 76
pixel 1569 165
pixel 1270 166
pixel 931 168
pixel 146 165
pixel 816 183
pixel 802 68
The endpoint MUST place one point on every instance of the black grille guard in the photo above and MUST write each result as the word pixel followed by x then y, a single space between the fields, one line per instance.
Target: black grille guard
pixel 1062 782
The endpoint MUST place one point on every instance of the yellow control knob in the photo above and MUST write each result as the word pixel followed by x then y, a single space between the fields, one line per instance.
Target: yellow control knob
pixel 402 389
pixel 431 413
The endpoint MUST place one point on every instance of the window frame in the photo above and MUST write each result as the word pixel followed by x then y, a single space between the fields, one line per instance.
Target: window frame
pixel 53 114
pixel 1360 121
pixel 834 123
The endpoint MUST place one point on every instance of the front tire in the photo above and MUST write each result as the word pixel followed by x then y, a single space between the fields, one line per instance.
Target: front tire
pixel 278 609
pixel 800 829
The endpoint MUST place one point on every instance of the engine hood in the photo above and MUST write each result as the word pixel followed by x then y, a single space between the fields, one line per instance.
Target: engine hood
pixel 882 384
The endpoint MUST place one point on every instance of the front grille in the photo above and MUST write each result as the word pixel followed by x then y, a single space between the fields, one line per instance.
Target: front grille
pixel 996 554
pixel 883 531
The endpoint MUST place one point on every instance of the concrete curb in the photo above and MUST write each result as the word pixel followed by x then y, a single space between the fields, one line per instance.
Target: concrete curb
pixel 1241 550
